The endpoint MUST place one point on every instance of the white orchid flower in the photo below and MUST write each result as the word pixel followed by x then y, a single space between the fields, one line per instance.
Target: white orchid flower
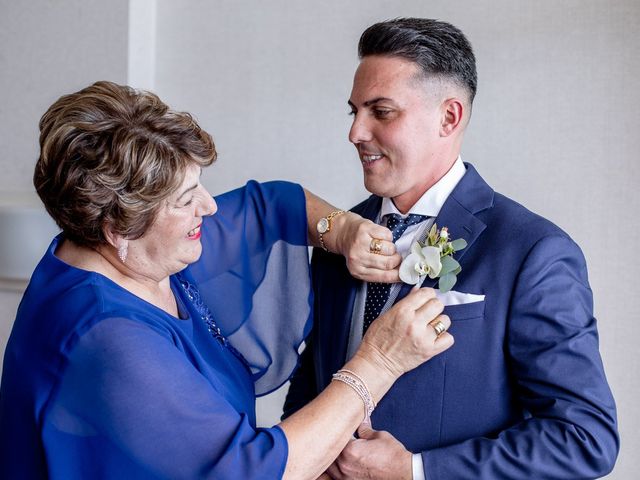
pixel 432 259
pixel 420 262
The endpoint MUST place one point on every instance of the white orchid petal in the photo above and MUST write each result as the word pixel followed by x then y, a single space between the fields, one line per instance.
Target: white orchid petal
pixel 408 273
pixel 435 271
pixel 430 254
pixel 432 259
pixel 416 249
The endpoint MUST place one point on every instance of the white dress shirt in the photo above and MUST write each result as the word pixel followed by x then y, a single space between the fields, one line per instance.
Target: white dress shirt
pixel 429 204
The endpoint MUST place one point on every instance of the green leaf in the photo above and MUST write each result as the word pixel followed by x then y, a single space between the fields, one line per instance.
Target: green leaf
pixel 433 235
pixel 449 264
pixel 459 244
pixel 447 282
pixel 457 271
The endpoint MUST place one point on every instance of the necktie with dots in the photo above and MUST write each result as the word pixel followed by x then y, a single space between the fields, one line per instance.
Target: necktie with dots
pixel 378 293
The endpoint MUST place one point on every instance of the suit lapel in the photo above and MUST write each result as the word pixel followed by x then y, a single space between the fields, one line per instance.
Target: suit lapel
pixel 369 208
pixel 471 196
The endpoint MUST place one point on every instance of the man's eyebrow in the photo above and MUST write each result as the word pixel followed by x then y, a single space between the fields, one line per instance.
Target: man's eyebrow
pixel 368 103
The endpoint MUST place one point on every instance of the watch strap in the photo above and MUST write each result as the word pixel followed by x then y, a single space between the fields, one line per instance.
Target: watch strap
pixel 328 218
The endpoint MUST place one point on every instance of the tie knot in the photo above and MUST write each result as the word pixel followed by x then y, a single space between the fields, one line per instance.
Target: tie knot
pixel 398 225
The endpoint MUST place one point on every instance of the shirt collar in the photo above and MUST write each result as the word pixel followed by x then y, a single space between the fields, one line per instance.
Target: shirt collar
pixel 433 199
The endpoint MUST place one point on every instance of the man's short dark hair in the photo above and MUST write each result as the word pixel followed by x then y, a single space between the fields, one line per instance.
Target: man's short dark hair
pixel 439 48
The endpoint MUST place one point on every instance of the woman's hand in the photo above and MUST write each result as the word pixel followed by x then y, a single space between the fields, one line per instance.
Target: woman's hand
pixel 396 342
pixel 405 336
pixel 367 247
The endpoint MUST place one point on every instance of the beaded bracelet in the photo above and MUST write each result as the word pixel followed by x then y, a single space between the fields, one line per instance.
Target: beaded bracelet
pixel 358 385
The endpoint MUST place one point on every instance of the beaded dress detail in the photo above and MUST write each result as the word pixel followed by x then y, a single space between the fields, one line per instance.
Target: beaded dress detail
pixel 193 294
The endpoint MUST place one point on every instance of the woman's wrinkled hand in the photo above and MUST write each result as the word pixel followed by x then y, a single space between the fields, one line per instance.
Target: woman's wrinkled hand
pixel 404 337
pixel 368 249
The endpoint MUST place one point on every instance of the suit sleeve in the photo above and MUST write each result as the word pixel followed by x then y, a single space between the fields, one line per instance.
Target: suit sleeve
pixel 570 428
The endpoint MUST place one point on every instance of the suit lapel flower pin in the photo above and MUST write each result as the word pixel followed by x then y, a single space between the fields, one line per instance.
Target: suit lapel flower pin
pixel 433 258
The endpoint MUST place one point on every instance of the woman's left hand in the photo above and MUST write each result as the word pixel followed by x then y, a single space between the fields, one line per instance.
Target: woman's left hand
pixel 367 247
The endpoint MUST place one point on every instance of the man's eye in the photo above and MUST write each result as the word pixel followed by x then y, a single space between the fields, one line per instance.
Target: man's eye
pixel 381 113
pixel 352 112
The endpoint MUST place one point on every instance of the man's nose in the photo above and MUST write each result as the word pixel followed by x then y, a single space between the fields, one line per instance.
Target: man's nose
pixel 359 131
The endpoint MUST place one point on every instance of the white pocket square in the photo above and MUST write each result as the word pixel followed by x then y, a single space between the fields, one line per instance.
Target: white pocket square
pixel 458 298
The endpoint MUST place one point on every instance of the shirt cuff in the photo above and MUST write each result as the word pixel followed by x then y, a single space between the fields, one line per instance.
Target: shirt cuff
pixel 417 467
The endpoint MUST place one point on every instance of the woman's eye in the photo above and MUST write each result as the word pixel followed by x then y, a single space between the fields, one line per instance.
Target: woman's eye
pixel 188 202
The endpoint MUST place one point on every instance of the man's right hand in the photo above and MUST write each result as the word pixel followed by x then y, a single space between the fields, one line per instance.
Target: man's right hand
pixel 375 455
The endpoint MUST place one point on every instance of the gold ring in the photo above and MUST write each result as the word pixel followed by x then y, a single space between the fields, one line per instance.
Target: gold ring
pixel 438 327
pixel 375 246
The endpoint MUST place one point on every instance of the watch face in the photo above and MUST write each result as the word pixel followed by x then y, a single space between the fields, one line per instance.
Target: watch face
pixel 323 225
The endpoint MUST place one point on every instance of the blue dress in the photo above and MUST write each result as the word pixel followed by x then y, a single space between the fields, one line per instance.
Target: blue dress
pixel 97 383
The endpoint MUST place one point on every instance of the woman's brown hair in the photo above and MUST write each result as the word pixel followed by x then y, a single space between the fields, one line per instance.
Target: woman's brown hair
pixel 109 156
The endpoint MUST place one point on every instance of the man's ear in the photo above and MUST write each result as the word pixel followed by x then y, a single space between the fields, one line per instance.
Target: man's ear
pixel 452 113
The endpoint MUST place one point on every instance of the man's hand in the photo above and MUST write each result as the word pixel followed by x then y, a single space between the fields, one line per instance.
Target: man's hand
pixel 375 455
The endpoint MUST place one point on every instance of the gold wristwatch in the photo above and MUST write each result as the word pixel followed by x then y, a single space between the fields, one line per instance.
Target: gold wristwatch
pixel 324 226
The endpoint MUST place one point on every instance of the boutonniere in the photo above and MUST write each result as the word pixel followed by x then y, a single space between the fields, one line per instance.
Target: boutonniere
pixel 434 258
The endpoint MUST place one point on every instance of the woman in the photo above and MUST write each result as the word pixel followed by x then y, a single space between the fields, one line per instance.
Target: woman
pixel 150 324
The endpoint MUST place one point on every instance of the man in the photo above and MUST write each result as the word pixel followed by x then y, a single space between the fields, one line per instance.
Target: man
pixel 522 393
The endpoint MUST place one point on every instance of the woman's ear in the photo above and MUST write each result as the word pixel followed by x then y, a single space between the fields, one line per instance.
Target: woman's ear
pixel 117 241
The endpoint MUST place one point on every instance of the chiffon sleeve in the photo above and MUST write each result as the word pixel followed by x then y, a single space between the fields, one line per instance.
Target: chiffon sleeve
pixel 254 276
pixel 131 405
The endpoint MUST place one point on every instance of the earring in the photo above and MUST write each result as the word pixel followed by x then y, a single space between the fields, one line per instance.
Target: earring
pixel 123 249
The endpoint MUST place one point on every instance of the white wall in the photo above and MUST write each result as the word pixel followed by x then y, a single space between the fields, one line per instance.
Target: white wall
pixel 554 126
pixel 47 49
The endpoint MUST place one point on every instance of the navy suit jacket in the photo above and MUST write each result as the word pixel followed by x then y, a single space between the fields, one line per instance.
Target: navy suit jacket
pixel 522 393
